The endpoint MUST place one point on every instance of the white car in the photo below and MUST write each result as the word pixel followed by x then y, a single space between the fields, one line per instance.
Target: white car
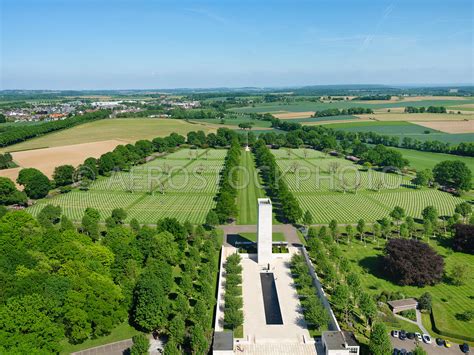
pixel 418 337
pixel 426 338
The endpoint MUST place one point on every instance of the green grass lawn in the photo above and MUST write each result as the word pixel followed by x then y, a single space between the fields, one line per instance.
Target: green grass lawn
pixel 249 191
pixel 236 121
pixel 121 332
pixel 427 160
pixel 448 299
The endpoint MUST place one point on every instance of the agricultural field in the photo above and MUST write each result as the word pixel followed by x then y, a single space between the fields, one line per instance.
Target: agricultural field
pixel 181 185
pixel 403 129
pixel 448 300
pixel 47 159
pixel 307 106
pixel 351 194
pixel 126 130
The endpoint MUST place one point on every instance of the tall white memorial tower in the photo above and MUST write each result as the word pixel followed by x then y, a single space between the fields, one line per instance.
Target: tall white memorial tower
pixel 264 231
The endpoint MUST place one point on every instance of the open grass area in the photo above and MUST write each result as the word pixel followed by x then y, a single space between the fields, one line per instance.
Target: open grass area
pixel 248 191
pixel 181 185
pixel 323 193
pixel 235 121
pixel 427 160
pixel 124 129
pixel 448 299
pixel 121 332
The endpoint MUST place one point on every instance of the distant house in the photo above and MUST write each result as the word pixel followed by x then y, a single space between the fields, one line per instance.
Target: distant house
pixel 402 305
pixel 340 343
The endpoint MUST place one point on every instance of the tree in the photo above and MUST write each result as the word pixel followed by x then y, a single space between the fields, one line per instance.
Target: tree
pixel 349 233
pixel 36 184
pixel 315 313
pixel 453 173
pixel 423 177
pixel 212 219
pixel 177 328
pixel 90 223
pixel 425 301
pixel 119 215
pixel 464 209
pixel 385 227
pixel 430 213
pixel 459 274
pixel 199 341
pixel 463 240
pixel 307 218
pixel 411 262
pixel 49 215
pixel 152 305
pixel 361 228
pixel 333 227
pixel 26 321
pixel 341 299
pixel 410 222
pixel 9 194
pixel 379 343
pixel 367 307
pixel 63 175
pixel 140 346
pixel 397 214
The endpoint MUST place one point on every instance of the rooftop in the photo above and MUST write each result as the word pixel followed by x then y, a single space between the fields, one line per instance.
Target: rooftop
pixel 223 341
pixel 339 340
pixel 407 302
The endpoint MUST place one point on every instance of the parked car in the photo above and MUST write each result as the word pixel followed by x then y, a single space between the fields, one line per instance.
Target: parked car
pixel 395 333
pixel 426 338
pixel 403 352
pixel 447 343
pixel 418 337
pixel 396 351
pixel 411 336
pixel 402 335
pixel 465 348
pixel 439 342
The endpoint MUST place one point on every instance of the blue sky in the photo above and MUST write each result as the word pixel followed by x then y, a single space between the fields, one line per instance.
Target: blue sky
pixel 120 44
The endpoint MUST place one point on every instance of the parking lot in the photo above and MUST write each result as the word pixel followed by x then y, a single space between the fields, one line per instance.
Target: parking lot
pixel 430 348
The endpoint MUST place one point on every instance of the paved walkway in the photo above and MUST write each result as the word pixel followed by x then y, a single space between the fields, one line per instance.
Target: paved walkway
pixel 256 330
pixel 117 348
pixel 418 321
pixel 276 349
pixel 290 232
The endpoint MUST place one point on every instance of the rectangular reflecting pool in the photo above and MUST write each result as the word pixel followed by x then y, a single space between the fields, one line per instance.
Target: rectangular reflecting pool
pixel 270 299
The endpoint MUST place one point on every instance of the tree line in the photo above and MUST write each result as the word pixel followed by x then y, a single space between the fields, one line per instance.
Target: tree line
pixel 277 188
pixel 464 148
pixel 16 134
pixel 422 109
pixel 343 112
pixel 226 208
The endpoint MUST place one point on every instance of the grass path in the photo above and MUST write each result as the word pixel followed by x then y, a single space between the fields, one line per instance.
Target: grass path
pixel 248 194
